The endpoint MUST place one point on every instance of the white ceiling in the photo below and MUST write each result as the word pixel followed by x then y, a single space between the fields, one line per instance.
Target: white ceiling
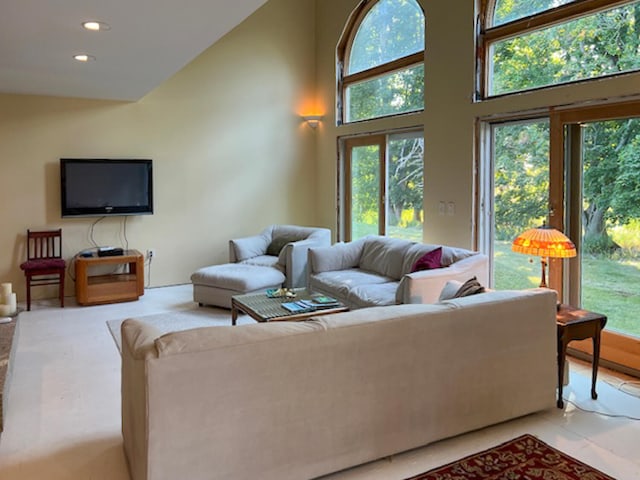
pixel 149 41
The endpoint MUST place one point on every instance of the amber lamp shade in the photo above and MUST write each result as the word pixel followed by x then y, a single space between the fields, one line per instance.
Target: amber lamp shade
pixel 544 242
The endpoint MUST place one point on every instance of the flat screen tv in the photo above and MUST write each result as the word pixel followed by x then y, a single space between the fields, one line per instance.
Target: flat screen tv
pixel 100 187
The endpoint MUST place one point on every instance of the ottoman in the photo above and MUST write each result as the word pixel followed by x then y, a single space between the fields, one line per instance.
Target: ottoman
pixel 216 285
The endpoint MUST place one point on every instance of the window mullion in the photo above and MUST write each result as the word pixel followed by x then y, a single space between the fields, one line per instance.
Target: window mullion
pixel 399 64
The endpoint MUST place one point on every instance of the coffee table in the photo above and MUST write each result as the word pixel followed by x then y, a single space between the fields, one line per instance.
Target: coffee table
pixel 262 308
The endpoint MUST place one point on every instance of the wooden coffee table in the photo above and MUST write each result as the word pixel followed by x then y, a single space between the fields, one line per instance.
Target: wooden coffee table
pixel 262 308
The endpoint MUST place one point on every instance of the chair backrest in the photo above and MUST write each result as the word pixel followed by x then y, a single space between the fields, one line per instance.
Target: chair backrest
pixel 44 244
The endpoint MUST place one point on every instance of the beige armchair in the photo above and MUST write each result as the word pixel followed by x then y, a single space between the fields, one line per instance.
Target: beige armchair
pixel 283 247
pixel 274 258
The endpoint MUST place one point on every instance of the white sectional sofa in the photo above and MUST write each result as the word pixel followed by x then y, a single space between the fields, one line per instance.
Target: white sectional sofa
pixel 377 270
pixel 288 400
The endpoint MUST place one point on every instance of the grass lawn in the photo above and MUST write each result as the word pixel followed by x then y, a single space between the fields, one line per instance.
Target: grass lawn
pixel 611 287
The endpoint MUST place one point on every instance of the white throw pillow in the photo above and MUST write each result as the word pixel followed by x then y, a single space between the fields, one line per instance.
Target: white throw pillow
pixel 449 290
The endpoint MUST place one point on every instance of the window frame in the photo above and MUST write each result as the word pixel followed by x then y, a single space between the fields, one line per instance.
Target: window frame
pixel 488 35
pixel 344 208
pixel 344 81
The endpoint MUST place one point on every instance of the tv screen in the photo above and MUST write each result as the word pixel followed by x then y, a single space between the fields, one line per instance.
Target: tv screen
pixel 98 187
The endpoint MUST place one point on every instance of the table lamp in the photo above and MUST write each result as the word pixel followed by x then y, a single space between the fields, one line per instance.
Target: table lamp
pixel 544 242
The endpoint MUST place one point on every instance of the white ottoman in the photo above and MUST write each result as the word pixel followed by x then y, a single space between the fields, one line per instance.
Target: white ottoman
pixel 216 285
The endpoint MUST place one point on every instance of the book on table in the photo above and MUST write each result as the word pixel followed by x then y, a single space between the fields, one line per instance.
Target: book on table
pixel 320 299
pixel 303 306
pixel 297 307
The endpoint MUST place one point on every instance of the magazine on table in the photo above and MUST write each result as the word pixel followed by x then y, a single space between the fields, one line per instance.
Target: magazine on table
pixel 302 306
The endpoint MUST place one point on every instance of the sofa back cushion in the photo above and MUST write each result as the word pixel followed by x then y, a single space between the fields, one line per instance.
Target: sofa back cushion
pixel 340 256
pixel 384 255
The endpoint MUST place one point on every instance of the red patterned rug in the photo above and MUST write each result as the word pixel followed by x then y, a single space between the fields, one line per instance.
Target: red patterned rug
pixel 523 458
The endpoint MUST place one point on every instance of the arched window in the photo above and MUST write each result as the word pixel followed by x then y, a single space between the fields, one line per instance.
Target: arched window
pixel 381 61
pixel 528 44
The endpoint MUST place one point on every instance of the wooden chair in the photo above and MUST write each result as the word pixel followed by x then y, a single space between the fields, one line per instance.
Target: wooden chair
pixel 44 265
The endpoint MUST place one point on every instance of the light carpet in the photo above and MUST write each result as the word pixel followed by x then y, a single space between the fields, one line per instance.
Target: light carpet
pixel 180 320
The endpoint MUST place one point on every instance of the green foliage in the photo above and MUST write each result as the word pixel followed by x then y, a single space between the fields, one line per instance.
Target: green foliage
pixel 600 44
pixel 521 177
pixel 509 10
pixel 398 92
pixel 392 29
pixel 365 184
pixel 406 179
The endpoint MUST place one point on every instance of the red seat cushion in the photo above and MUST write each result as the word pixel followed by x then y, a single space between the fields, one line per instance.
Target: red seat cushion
pixel 44 263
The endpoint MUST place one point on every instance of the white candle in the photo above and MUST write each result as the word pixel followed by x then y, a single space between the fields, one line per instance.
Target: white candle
pixel 13 304
pixel 6 289
pixel 5 310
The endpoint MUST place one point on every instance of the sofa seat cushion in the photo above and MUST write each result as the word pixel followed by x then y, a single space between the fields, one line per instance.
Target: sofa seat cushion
pixel 239 277
pixel 378 294
pixel 345 280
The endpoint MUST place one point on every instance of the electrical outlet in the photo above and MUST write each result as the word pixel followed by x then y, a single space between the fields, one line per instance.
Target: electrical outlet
pixel 151 253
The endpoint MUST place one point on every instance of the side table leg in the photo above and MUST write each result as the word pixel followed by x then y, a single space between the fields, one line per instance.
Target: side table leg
pixel 596 361
pixel 562 351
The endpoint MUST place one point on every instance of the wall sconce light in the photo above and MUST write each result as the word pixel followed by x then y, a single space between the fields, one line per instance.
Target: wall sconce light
pixel 312 120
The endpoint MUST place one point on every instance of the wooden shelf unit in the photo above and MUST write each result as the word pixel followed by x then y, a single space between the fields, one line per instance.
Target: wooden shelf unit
pixel 113 287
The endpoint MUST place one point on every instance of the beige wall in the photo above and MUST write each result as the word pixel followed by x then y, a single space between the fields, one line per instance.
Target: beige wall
pixel 449 117
pixel 230 152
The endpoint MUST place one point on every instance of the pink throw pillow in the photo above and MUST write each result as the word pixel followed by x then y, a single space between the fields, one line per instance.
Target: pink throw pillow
pixel 428 261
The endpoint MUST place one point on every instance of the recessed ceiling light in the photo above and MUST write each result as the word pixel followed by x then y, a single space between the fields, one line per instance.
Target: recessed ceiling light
pixel 96 26
pixel 83 57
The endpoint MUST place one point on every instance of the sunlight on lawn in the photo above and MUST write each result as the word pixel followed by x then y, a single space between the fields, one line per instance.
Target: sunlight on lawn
pixel 609 286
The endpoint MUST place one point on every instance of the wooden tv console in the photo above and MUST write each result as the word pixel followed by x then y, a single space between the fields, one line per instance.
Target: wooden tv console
pixel 95 289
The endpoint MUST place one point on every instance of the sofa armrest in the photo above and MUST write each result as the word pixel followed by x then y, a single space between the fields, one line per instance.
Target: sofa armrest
pixel 248 247
pixel 294 256
pixel 138 345
pixel 138 338
pixel 425 286
pixel 340 256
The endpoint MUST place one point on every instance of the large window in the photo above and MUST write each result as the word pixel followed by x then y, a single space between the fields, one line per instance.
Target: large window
pixel 529 44
pixel 381 60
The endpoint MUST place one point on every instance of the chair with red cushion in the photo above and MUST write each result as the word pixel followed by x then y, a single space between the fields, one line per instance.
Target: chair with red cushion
pixel 44 265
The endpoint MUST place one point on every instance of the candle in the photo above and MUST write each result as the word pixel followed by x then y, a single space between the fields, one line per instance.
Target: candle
pixel 5 288
pixel 13 304
pixel 5 310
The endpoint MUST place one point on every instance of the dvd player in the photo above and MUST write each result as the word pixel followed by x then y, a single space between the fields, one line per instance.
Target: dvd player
pixel 110 251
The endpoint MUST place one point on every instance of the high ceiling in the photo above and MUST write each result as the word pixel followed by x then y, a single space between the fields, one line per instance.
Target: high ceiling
pixel 149 40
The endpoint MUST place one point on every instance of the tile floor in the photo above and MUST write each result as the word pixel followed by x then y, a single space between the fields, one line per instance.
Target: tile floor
pixel 63 411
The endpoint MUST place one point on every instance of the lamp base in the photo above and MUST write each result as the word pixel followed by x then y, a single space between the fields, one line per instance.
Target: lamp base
pixel 543 279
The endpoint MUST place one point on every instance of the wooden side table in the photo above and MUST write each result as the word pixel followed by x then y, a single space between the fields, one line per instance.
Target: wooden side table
pixel 577 324
pixel 113 287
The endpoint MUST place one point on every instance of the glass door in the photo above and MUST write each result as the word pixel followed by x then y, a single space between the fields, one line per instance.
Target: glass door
pixel 364 187
pixel 520 196
pixel 604 213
